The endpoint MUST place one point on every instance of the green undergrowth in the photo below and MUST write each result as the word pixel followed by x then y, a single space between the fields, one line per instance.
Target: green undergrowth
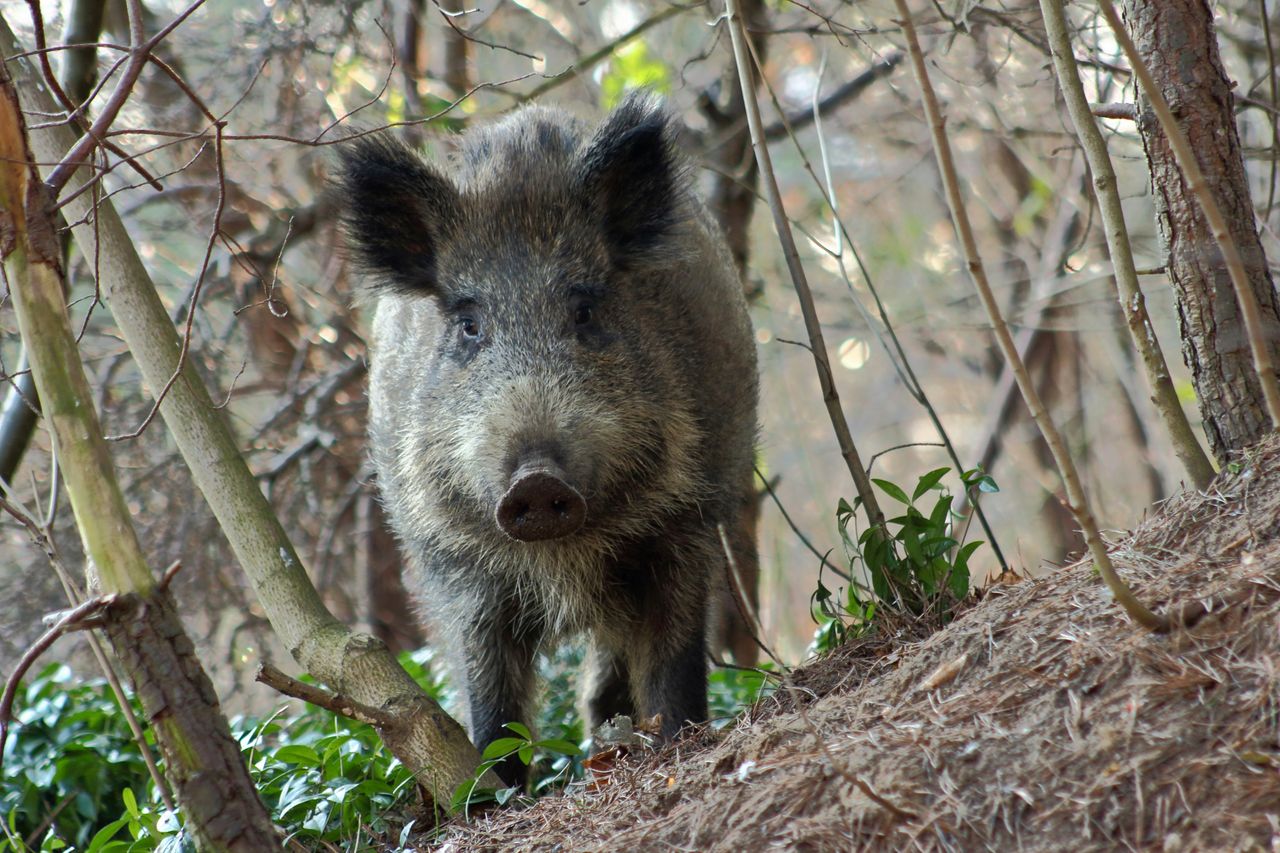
pixel 918 567
pixel 74 779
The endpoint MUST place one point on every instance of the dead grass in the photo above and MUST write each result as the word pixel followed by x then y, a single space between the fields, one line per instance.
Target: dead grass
pixel 1039 720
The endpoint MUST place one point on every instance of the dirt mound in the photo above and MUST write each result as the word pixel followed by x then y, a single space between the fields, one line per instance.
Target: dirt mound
pixel 1041 719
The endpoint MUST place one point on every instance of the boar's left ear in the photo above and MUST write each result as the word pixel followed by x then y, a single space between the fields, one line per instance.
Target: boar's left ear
pixel 633 178
pixel 397 211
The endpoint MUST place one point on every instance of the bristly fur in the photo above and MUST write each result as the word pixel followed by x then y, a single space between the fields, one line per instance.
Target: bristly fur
pixel 632 166
pixel 561 297
pixel 397 211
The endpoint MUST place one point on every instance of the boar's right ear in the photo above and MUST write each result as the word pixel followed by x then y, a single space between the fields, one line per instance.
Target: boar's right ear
pixel 396 211
pixel 633 175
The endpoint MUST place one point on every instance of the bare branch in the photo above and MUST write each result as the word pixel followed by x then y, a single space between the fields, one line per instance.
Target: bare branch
pixel 1249 309
pixel 309 693
pixel 1079 503
pixel 1132 303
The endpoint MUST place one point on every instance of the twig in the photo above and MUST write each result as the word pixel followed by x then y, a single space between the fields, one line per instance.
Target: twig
pixel 1077 499
pixel 591 59
pixel 466 36
pixel 1126 112
pixel 893 344
pixel 76 110
pixel 745 609
pixel 195 294
pixel 75 619
pixel 845 92
pixel 822 364
pixel 340 705
pixel 1186 159
pixel 42 536
pixel 1163 396
pixel 139 50
pixel 768 487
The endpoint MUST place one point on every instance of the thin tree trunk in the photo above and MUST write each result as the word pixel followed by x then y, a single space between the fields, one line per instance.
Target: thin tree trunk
pixel 78 73
pixel 733 195
pixel 1177 41
pixel 202 759
pixel 733 201
pixel 457 48
pixel 428 741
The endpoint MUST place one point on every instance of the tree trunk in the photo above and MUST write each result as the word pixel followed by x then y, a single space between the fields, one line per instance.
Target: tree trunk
pixel 202 759
pixel 429 742
pixel 733 195
pixel 1177 41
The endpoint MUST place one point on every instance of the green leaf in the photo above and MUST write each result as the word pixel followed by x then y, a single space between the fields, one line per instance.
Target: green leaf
pixel 130 803
pixel 520 729
pixel 104 835
pixel 563 747
pixel 502 747
pixel 843 511
pixel 298 754
pixel 958 581
pixel 928 481
pixel 936 546
pixel 938 518
pixel 892 490
pixel 966 551
pixel 960 577
pixel 911 543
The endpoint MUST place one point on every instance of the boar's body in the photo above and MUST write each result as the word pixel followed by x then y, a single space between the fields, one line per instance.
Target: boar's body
pixel 563 403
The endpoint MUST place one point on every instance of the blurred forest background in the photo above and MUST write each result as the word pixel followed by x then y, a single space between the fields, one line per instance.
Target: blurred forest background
pixel 276 332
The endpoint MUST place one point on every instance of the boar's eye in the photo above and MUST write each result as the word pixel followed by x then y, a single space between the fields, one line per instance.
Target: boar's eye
pixel 468 328
pixel 583 314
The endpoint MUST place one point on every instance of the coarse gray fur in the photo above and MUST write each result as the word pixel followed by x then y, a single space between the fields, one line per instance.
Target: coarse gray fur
pixel 648 407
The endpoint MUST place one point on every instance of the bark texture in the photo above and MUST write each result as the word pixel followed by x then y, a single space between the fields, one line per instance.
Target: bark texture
pixel 214 788
pixel 430 743
pixel 1176 39
pixel 202 759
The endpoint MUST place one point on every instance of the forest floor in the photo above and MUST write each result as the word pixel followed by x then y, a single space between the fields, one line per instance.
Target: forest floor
pixel 1040 719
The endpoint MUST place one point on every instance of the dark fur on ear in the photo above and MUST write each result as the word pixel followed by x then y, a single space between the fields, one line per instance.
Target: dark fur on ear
pixel 631 171
pixel 396 211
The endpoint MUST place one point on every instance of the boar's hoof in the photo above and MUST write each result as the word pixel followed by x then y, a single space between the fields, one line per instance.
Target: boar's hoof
pixel 539 505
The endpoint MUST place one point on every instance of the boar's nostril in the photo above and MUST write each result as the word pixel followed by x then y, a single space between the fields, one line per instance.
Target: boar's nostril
pixel 539 505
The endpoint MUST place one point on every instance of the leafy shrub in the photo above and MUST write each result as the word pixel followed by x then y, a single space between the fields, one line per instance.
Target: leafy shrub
pixel 73 776
pixel 920 567
pixel 68 762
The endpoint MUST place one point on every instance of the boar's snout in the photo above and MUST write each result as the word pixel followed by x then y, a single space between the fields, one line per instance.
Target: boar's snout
pixel 540 505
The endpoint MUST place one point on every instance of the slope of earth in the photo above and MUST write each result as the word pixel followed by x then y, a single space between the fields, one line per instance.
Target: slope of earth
pixel 1040 719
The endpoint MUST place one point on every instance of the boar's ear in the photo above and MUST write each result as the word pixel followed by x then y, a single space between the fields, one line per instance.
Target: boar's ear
pixel 396 211
pixel 633 177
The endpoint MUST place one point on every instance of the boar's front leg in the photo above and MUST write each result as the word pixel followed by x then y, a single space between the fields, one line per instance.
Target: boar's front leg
pixel 493 653
pixel 669 677
pixel 664 644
